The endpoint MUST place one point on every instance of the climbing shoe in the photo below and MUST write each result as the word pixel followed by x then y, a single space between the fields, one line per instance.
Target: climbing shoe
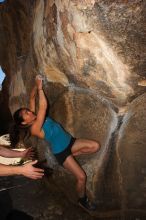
pixel 86 204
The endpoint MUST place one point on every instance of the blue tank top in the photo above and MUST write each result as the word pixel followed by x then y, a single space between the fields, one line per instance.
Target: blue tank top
pixel 58 138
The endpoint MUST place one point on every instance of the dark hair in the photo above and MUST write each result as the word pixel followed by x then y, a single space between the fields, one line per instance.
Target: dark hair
pixel 17 116
pixel 18 131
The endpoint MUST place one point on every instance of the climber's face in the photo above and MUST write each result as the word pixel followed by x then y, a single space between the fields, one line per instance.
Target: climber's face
pixel 28 116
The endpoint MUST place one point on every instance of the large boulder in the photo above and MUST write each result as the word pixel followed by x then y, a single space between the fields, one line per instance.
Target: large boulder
pixel 91 55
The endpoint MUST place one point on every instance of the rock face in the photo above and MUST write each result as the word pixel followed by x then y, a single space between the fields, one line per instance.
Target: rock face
pixel 91 55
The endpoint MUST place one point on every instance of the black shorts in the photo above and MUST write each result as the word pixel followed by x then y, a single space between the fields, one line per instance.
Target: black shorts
pixel 61 157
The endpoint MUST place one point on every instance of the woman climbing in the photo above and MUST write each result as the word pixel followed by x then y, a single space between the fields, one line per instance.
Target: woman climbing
pixel 63 145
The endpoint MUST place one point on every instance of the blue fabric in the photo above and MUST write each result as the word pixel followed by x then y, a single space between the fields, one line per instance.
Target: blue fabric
pixel 58 138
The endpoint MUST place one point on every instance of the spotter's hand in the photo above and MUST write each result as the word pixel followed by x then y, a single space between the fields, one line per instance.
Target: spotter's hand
pixel 28 153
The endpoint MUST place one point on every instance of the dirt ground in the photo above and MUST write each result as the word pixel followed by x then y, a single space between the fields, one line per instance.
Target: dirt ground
pixel 25 199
